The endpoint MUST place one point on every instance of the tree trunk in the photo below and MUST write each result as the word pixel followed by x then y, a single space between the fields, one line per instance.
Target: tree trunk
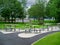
pixel 8 19
pixel 12 20
pixel 41 20
pixel 5 19
pixel 15 20
pixel 34 21
pixel 22 20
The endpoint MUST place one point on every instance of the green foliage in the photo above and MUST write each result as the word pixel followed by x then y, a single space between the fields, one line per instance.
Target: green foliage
pixel 53 9
pixel 11 9
pixel 36 11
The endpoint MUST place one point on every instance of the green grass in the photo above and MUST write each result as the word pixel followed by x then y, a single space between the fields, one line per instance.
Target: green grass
pixel 49 21
pixel 17 25
pixel 52 39
pixel 45 21
pixel 22 26
pixel 26 25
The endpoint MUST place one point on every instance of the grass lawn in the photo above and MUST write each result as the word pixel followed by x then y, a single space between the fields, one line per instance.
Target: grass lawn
pixel 52 39
pixel 22 26
pixel 49 21
pixel 25 25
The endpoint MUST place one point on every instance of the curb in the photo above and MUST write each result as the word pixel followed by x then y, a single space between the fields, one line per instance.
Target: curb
pixel 40 39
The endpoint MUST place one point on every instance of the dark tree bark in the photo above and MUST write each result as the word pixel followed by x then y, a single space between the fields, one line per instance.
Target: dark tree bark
pixel 41 20
pixel 22 20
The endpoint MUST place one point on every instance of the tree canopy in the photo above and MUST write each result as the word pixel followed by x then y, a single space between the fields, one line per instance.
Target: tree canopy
pixel 53 9
pixel 11 9
pixel 37 11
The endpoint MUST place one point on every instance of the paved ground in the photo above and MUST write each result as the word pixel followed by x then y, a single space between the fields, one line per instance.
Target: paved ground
pixel 13 39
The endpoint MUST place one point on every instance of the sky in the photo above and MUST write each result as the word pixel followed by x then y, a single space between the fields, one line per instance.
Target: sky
pixel 31 2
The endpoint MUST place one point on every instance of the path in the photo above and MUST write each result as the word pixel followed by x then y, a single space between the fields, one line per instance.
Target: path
pixel 13 39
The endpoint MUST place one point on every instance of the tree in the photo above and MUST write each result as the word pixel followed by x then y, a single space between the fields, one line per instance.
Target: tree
pixel 53 9
pixel 12 8
pixel 5 14
pixel 37 11
pixel 24 2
